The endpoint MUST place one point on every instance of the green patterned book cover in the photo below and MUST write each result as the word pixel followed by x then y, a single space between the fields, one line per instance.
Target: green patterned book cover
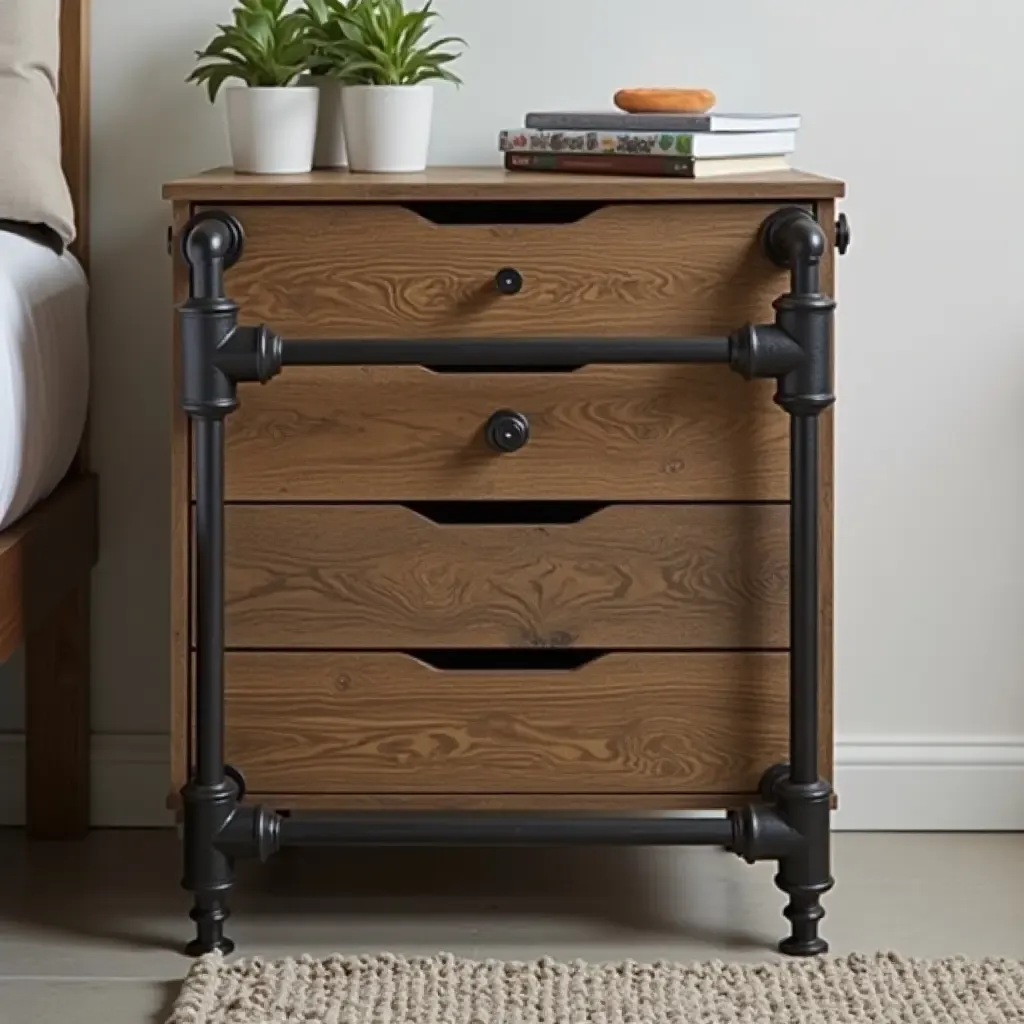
pixel 526 140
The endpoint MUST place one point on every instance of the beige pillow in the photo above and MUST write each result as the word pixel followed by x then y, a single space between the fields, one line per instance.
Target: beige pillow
pixel 33 189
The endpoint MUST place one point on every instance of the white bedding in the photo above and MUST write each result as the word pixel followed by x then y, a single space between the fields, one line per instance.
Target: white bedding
pixel 44 370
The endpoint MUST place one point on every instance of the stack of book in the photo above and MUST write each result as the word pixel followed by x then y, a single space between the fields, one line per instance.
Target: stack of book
pixel 658 145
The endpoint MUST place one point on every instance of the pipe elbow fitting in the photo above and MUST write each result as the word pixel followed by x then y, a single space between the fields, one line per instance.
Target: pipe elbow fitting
pixel 210 236
pixel 792 236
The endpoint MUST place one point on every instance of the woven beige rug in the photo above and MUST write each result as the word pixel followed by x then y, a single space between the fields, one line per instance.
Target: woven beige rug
pixel 447 990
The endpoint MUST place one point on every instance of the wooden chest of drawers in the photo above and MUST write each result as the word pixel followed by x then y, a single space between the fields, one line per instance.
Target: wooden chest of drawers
pixel 593 616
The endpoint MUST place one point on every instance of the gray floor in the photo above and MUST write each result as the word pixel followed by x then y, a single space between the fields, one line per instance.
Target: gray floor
pixel 88 933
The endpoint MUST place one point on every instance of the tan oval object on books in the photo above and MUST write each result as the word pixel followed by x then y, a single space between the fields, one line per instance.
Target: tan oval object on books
pixel 665 101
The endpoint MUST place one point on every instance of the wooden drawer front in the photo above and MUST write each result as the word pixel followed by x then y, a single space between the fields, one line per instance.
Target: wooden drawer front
pixel 386 723
pixel 601 433
pixel 334 271
pixel 650 576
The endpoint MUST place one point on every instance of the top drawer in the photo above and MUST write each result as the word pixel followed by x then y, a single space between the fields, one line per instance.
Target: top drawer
pixel 431 269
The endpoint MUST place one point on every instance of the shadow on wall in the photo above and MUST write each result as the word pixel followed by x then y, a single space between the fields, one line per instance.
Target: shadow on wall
pixel 148 126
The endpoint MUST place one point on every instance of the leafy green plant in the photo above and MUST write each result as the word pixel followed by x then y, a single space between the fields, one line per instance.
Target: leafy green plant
pixel 265 45
pixel 378 42
pixel 325 31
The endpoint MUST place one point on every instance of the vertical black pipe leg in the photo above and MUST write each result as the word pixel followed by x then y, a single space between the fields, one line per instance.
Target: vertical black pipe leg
pixel 210 797
pixel 801 797
pixel 208 323
pixel 794 239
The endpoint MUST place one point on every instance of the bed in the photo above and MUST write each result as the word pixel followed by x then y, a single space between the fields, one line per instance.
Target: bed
pixel 48 496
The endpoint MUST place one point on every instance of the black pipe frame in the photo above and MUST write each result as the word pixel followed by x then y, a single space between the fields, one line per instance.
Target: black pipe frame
pixel 508 353
pixel 790 822
pixel 273 832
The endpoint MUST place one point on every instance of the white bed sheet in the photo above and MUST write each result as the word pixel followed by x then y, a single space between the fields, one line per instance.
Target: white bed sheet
pixel 44 370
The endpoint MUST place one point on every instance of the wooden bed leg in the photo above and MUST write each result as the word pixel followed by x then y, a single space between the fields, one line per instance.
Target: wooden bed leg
pixel 58 721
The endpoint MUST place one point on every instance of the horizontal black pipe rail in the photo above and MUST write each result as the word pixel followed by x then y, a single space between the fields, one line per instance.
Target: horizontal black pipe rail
pixel 235 354
pixel 490 830
pixel 259 831
pixel 503 352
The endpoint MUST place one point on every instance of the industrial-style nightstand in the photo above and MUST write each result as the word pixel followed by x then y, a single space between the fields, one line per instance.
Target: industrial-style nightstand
pixel 528 531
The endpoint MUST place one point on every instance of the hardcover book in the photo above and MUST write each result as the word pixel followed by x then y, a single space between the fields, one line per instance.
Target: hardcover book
pixel 649 166
pixel 527 140
pixel 620 122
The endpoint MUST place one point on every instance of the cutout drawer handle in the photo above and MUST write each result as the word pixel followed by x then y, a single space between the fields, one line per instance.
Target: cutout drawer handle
pixel 507 431
pixel 509 281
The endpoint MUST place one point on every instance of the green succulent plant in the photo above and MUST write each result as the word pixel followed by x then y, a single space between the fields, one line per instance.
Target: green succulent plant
pixel 378 42
pixel 265 45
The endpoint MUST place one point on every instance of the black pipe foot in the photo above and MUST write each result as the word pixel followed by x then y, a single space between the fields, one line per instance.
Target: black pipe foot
pixel 208 870
pixel 803 947
pixel 805 913
pixel 804 875
pixel 198 947
pixel 209 915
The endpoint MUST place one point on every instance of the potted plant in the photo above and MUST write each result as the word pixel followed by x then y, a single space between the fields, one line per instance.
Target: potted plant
pixel 271 120
pixel 325 28
pixel 387 64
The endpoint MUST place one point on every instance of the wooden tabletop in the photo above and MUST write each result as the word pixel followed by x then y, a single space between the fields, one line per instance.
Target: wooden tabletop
pixel 454 183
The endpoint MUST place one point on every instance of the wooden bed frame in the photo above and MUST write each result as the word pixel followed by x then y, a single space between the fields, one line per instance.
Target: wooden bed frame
pixel 46 558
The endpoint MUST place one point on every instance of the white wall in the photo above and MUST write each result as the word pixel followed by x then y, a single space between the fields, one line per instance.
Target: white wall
pixel 918 106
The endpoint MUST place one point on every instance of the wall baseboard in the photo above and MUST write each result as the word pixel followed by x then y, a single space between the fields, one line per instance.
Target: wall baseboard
pixel 905 784
pixel 930 784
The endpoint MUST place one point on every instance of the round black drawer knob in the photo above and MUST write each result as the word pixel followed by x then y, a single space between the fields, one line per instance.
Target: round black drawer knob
pixel 509 281
pixel 507 431
pixel 843 236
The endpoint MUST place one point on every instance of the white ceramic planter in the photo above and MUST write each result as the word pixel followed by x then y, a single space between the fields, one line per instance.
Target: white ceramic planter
pixel 272 131
pixel 387 127
pixel 330 149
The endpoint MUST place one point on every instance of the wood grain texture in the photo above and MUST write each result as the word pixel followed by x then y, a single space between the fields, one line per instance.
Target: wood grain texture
pixel 180 533
pixel 45 556
pixel 57 761
pixel 304 425
pixel 682 270
pixel 74 94
pixel 601 433
pixel 645 576
pixel 223 185
pixel 643 723
pixel 452 801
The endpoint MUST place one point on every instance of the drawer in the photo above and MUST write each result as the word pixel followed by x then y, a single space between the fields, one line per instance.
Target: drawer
pixel 430 269
pixel 307 723
pixel 645 576
pixel 600 433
